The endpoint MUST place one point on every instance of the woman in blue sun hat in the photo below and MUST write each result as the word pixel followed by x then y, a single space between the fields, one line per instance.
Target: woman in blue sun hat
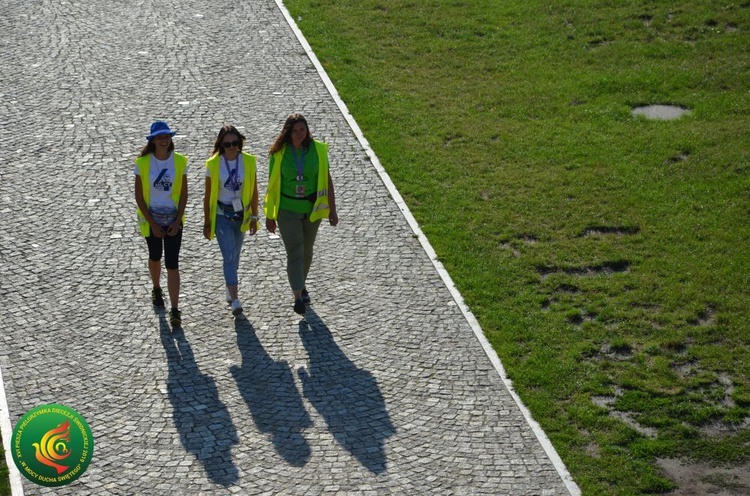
pixel 161 192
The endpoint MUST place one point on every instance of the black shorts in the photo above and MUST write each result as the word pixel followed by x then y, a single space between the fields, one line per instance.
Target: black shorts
pixel 170 245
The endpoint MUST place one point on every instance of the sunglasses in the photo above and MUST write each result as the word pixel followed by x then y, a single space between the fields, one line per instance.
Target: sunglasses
pixel 230 144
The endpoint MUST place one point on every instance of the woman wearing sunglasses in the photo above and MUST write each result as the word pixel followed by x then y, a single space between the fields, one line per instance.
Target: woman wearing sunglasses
pixel 300 194
pixel 230 204
pixel 161 192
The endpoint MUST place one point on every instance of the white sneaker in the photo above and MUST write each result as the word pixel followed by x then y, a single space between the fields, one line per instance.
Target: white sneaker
pixel 229 297
pixel 236 307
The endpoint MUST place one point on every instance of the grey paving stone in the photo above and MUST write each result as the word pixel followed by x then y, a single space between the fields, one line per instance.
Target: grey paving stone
pixel 383 389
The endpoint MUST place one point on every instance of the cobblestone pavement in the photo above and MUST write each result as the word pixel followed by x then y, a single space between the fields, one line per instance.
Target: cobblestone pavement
pixel 382 389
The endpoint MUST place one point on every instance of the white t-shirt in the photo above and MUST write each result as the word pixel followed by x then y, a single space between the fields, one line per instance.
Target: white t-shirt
pixel 231 175
pixel 161 176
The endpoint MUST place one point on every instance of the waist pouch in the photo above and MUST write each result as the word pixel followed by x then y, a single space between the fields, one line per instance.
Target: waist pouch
pixel 228 212
pixel 163 217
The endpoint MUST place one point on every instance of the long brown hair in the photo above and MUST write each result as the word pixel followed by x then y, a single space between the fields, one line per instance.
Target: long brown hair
pixel 150 146
pixel 285 136
pixel 227 129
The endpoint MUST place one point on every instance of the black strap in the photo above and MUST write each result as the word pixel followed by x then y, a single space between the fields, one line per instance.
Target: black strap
pixel 311 197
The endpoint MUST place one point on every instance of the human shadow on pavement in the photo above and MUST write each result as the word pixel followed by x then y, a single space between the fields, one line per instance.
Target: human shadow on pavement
pixel 347 397
pixel 268 388
pixel 203 421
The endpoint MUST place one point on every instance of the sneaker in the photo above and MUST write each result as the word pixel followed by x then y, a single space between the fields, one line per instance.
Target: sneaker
pixel 305 297
pixel 157 297
pixel 175 317
pixel 236 307
pixel 228 297
pixel 299 306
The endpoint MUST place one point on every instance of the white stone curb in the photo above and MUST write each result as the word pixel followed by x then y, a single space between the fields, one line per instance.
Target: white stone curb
pixel 541 436
pixel 6 431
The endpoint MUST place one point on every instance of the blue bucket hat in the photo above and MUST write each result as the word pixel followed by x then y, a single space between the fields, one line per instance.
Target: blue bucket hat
pixel 159 127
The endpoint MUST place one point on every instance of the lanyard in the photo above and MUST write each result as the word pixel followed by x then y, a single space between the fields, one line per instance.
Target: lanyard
pixel 300 163
pixel 234 175
pixel 164 166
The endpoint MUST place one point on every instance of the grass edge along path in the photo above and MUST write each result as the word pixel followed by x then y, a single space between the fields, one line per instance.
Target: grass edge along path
pixel 4 473
pixel 602 254
pixel 396 196
pixel 5 436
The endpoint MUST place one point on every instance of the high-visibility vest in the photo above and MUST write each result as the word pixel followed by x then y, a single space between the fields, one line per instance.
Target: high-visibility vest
pixel 272 200
pixel 249 162
pixel 144 163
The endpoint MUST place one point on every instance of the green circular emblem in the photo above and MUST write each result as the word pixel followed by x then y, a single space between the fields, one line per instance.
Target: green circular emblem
pixel 52 445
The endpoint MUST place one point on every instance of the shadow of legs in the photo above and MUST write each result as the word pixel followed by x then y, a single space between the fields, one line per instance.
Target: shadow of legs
pixel 347 397
pixel 204 424
pixel 268 388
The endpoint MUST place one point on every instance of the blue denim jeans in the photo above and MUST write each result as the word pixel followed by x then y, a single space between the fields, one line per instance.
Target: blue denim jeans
pixel 230 238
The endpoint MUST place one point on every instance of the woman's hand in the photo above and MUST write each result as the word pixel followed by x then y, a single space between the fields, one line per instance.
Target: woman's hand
pixel 207 230
pixel 174 227
pixel 156 230
pixel 333 218
pixel 271 226
pixel 253 227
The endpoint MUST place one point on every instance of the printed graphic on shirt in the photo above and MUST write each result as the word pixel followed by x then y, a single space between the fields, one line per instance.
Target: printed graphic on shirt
pixel 233 182
pixel 163 181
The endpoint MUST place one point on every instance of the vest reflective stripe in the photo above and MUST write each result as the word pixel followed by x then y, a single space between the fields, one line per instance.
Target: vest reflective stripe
pixel 249 162
pixel 144 164
pixel 272 200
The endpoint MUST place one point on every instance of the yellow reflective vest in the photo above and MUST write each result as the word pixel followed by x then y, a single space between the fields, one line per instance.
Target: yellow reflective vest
pixel 273 195
pixel 249 163
pixel 144 163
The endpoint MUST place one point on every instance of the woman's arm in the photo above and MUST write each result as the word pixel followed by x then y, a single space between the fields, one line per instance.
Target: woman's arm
pixel 156 230
pixel 270 223
pixel 333 217
pixel 174 228
pixel 254 208
pixel 207 209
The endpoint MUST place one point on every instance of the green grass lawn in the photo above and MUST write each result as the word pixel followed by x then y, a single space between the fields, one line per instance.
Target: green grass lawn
pixel 4 481
pixel 606 256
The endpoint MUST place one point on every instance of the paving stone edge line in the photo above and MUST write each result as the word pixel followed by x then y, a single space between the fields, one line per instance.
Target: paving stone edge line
pixel 447 280
pixel 6 431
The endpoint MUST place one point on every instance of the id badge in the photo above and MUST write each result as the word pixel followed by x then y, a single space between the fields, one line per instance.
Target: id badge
pixel 300 190
pixel 237 204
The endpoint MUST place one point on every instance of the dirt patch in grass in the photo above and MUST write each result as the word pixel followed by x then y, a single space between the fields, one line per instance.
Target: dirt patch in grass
pixel 605 268
pixel 661 112
pixel 699 479
pixel 604 230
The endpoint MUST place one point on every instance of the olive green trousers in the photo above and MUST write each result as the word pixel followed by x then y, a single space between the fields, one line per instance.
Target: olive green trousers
pixel 298 235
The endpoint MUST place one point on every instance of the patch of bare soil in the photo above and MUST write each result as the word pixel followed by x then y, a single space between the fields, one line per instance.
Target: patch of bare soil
pixel 661 112
pixel 702 479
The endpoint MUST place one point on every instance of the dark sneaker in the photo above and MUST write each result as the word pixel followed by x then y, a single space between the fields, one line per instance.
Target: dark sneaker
pixel 299 306
pixel 305 297
pixel 157 297
pixel 175 317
